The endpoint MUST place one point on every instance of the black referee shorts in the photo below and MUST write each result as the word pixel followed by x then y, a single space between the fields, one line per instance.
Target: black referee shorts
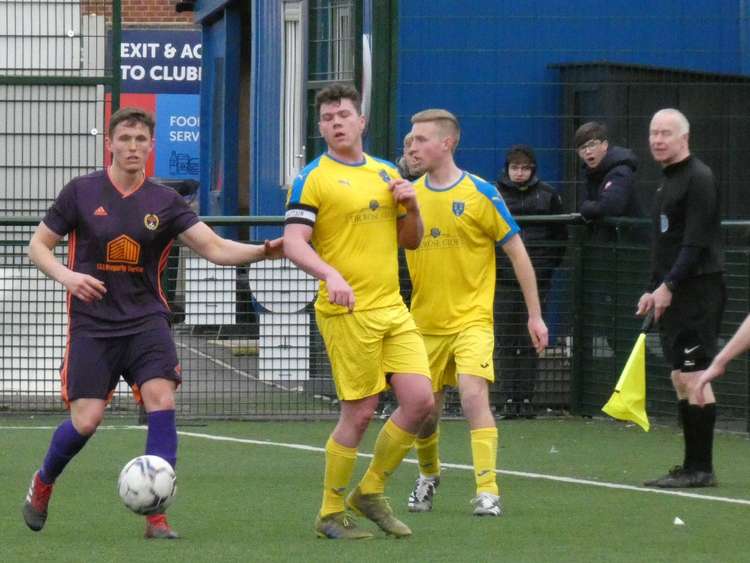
pixel 690 326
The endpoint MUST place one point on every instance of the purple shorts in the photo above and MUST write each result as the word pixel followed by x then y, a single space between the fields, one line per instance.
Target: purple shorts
pixel 92 366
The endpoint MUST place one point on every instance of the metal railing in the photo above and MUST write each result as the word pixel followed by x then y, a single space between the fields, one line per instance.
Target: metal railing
pixel 249 346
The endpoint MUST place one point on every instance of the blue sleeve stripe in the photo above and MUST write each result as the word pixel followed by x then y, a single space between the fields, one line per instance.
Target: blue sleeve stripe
pixel 513 232
pixel 299 181
pixel 490 192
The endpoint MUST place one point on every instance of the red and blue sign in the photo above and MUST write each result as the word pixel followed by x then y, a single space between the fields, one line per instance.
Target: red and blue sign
pixel 161 73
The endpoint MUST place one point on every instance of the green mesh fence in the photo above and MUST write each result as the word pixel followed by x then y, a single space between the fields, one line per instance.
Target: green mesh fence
pixel 249 346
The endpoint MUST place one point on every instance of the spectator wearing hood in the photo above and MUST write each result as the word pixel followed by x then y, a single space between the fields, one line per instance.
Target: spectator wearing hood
pixel 524 194
pixel 609 173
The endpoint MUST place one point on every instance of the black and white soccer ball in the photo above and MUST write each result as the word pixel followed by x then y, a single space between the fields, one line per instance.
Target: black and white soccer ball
pixel 147 484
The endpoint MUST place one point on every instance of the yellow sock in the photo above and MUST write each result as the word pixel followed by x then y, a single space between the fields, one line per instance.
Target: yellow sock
pixel 428 454
pixel 484 454
pixel 340 462
pixel 391 447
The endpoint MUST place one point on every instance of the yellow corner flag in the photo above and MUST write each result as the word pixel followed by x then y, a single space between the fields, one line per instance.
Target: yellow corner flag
pixel 628 402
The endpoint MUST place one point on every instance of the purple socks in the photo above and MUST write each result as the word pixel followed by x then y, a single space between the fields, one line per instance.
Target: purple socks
pixel 162 435
pixel 66 443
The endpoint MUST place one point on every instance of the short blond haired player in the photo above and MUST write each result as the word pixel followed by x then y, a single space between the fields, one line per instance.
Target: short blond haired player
pixel 453 276
pixel 356 211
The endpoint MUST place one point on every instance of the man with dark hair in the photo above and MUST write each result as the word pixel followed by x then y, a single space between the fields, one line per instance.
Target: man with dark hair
pixel 609 173
pixel 609 186
pixel 131 116
pixel 524 194
pixel 356 211
pixel 688 292
pixel 120 228
pixel 335 93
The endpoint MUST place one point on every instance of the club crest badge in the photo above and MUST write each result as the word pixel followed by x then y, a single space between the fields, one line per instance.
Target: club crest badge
pixel 151 222
pixel 374 204
pixel 458 208
pixel 384 175
pixel 434 232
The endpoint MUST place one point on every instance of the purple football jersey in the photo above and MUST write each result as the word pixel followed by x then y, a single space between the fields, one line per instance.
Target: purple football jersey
pixel 124 241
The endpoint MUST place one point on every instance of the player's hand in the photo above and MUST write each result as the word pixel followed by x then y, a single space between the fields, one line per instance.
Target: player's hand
pixel 404 193
pixel 84 287
pixel 273 249
pixel 339 292
pixel 712 372
pixel 539 333
pixel 662 300
pixel 645 304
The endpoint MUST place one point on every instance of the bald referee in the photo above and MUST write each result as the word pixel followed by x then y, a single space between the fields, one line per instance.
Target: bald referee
pixel 689 292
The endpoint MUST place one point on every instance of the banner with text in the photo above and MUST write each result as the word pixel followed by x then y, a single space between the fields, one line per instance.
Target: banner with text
pixel 161 72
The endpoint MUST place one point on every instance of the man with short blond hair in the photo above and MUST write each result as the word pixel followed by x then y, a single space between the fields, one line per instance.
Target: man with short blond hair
pixel 444 120
pixel 453 275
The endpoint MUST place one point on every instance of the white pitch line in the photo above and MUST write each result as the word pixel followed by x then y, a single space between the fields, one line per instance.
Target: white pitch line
pixel 524 474
pixel 232 368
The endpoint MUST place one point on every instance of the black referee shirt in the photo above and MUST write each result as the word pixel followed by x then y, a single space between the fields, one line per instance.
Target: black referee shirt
pixel 686 213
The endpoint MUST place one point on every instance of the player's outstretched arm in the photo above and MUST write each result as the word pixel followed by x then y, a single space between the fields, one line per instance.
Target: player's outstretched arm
pixel 82 286
pixel 738 344
pixel 526 277
pixel 224 252
pixel 297 248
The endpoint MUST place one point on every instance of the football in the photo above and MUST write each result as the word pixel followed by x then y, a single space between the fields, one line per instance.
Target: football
pixel 147 484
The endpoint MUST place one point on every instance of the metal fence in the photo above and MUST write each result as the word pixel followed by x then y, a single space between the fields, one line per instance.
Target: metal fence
pixel 56 71
pixel 249 346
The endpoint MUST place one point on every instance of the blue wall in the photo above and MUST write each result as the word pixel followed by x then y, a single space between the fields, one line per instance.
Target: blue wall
pixel 266 195
pixel 487 61
pixel 489 64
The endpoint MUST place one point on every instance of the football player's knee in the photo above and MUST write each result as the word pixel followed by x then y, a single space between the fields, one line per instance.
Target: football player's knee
pixel 424 406
pixel 158 395
pixel 161 402
pixel 86 423
pixel 473 399
pixel 361 420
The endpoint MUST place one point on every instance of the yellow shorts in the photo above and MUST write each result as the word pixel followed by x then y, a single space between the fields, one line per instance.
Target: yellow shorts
pixel 468 352
pixel 364 346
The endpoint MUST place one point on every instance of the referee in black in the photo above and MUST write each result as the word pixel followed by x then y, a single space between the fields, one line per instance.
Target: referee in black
pixel 688 292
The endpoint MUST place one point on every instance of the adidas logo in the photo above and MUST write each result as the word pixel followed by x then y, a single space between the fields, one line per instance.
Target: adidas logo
pixel 101 212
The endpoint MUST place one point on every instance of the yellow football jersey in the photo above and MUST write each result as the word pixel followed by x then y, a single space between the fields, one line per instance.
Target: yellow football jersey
pixel 453 270
pixel 353 216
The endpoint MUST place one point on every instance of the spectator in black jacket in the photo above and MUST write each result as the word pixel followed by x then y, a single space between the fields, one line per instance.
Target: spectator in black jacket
pixel 524 194
pixel 609 172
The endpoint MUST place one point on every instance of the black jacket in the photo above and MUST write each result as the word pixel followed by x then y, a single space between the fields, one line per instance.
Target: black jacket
pixel 610 187
pixel 687 213
pixel 535 198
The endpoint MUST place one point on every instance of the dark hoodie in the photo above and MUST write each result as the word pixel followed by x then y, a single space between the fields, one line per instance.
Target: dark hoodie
pixel 534 198
pixel 610 187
